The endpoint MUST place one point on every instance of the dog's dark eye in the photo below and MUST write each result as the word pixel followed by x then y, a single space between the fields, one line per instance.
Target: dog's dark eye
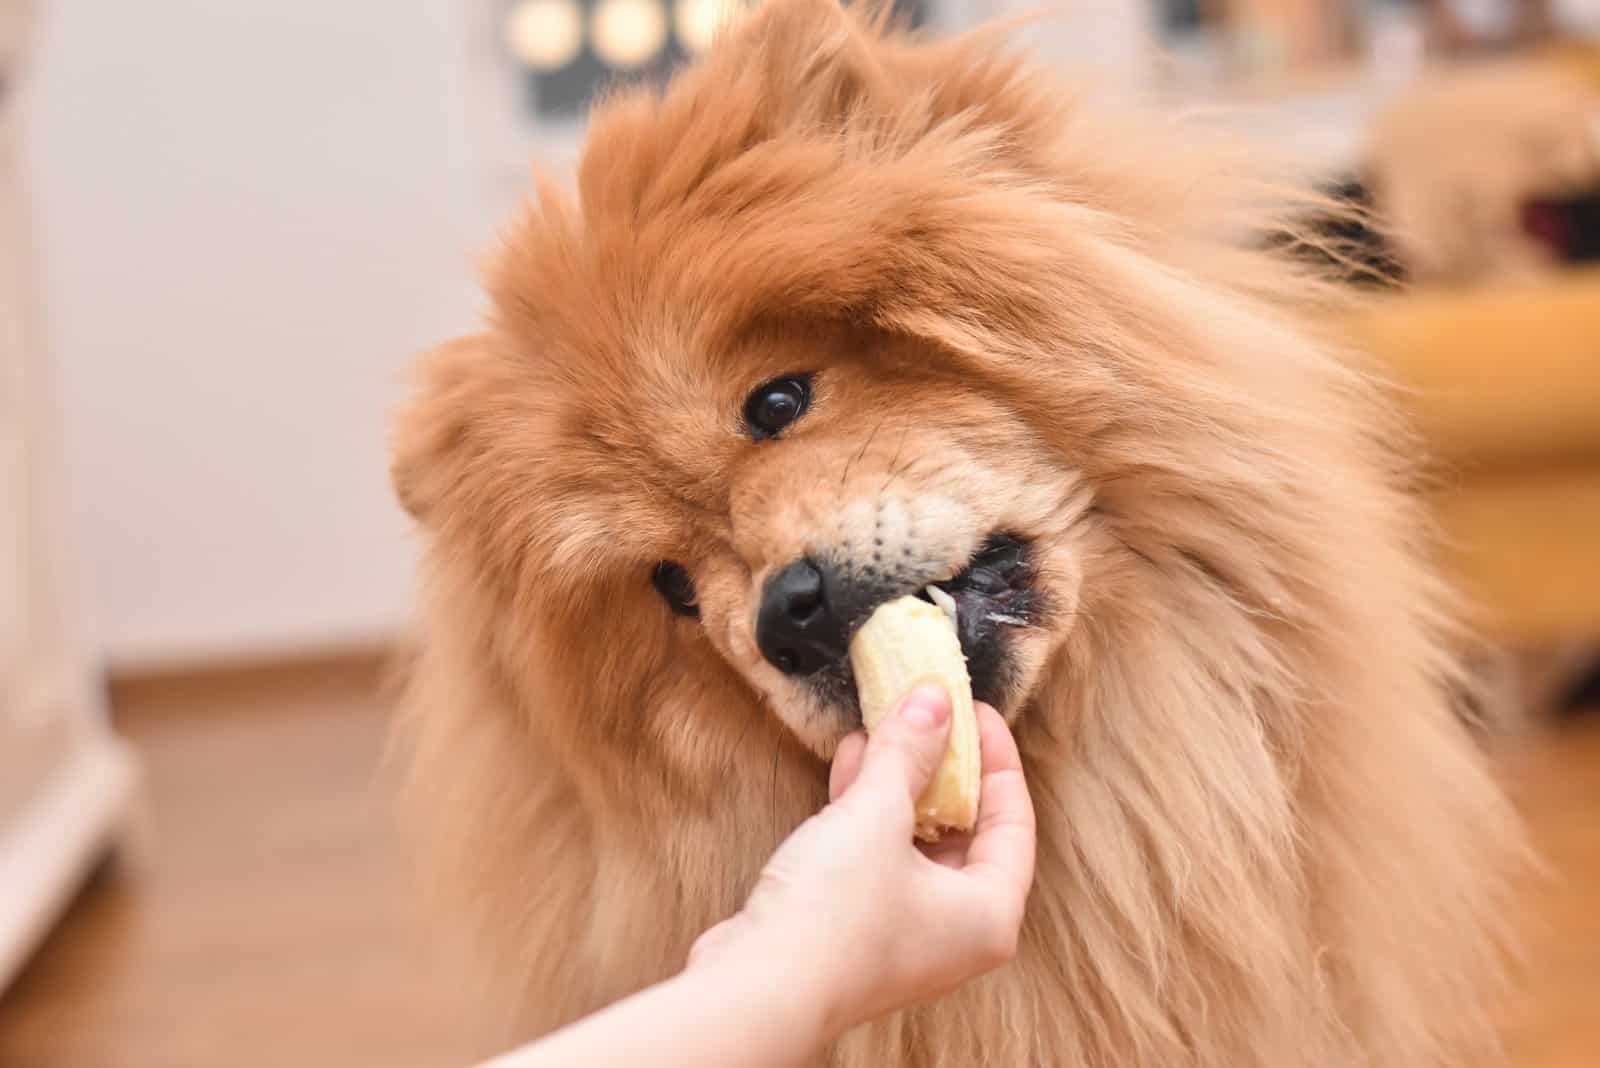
pixel 675 587
pixel 773 406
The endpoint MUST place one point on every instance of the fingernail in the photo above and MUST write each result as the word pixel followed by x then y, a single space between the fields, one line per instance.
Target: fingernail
pixel 927 707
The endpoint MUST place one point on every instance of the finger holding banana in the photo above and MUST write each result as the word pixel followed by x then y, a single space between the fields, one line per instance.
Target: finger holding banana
pixel 849 899
pixel 879 920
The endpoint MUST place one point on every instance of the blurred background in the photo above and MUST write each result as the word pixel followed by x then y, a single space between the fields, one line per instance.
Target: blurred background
pixel 225 228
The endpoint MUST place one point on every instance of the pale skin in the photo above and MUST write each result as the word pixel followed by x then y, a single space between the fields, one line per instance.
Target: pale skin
pixel 850 918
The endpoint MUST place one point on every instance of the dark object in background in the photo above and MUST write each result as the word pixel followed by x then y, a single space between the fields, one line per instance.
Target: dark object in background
pixel 1345 238
pixel 1182 16
pixel 568 91
pixel 1348 239
pixel 1569 226
pixel 1584 697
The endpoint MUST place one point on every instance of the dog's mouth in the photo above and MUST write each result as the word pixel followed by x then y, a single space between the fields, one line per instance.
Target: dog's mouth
pixel 994 596
pixel 993 593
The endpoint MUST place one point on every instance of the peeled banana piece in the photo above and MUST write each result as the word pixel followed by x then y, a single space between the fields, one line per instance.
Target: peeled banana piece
pixel 907 642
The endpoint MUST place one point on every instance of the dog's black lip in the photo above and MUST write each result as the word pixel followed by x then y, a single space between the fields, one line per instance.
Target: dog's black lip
pixel 994 595
pixel 999 567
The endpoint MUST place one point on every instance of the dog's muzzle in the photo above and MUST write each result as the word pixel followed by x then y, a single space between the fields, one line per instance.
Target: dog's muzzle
pixel 810 608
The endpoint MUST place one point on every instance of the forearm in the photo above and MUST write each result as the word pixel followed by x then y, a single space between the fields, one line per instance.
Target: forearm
pixel 723 1016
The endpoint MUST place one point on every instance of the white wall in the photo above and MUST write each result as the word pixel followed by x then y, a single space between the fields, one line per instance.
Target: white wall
pixel 252 212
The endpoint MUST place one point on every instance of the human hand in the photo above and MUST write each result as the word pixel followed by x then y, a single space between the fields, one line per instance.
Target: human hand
pixel 866 919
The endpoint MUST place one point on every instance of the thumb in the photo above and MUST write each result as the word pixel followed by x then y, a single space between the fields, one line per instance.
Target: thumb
pixel 905 748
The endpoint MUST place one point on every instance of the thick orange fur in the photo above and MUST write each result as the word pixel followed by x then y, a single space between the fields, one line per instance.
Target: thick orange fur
pixel 1265 840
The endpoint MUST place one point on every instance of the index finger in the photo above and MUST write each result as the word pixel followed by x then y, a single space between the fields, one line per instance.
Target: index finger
pixel 1004 839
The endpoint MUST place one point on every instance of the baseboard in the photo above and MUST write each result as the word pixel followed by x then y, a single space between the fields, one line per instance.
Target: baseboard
pixel 265 663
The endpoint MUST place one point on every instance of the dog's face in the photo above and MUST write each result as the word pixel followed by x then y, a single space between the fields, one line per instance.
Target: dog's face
pixel 760 497
pixel 809 474
pixel 869 473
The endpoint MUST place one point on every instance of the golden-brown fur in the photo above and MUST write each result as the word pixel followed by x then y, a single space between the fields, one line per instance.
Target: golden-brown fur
pixel 1265 840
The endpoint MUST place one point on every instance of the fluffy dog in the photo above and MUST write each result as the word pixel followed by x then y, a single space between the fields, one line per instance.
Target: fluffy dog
pixel 840 314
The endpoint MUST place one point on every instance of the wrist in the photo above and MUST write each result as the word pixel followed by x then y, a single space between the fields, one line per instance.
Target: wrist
pixel 774 995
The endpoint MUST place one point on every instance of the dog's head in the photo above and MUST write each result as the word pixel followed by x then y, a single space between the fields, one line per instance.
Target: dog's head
pixel 837 318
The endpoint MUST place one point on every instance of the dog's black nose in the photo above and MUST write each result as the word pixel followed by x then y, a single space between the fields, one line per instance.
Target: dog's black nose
pixel 798 629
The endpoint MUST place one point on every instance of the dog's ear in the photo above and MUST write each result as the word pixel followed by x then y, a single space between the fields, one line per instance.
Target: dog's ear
pixel 428 432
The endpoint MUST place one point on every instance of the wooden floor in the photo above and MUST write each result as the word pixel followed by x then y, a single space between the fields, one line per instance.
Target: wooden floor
pixel 1554 1020
pixel 267 918
pixel 264 917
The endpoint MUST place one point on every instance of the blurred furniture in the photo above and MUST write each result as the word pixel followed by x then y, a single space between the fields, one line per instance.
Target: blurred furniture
pixel 65 782
pixel 1506 384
